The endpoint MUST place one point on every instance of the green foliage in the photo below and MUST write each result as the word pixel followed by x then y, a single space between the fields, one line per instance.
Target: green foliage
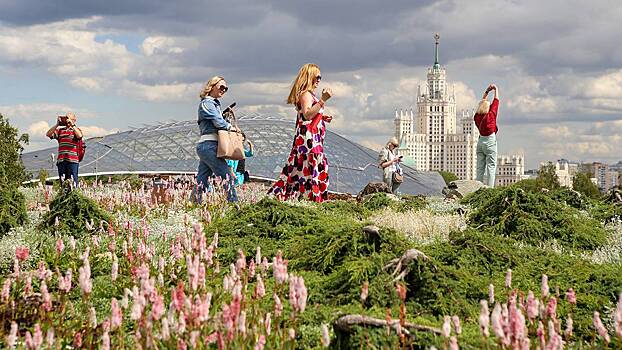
pixel 529 185
pixel 584 185
pixel 448 176
pixel 73 211
pixel 376 201
pixel 547 178
pixel 534 218
pixel 42 176
pixel 12 209
pixel 12 171
pixel 462 268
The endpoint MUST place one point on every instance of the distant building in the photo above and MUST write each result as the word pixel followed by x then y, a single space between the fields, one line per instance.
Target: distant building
pixel 510 170
pixel 605 177
pixel 431 137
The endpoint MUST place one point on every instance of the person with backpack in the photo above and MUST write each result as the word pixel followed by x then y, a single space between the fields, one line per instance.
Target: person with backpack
pixel 70 146
pixel 486 121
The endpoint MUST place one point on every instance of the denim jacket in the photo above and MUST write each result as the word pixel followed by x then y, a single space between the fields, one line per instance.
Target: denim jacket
pixel 210 116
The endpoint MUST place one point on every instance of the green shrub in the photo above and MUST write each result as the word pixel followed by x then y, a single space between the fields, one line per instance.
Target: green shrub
pixel 534 218
pixel 73 211
pixel 12 209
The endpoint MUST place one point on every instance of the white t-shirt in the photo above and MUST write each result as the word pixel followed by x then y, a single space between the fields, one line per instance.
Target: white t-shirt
pixel 387 155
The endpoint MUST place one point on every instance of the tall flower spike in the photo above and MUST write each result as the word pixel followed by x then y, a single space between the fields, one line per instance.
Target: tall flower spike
pixel 484 319
pixel 600 328
pixel 545 286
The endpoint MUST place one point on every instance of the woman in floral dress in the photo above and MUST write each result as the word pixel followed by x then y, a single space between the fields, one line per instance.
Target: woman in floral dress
pixel 305 176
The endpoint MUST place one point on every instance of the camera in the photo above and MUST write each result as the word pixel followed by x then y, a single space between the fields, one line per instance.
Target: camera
pixel 62 120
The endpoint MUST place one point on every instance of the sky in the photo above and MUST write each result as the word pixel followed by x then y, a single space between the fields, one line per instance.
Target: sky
pixel 120 64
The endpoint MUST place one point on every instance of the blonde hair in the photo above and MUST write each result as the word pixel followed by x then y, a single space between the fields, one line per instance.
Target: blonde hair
pixel 303 82
pixel 483 107
pixel 210 85
pixel 393 141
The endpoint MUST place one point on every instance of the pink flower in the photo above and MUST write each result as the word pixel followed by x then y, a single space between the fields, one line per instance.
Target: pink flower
pixel 251 268
pixel 157 308
pixel 72 243
pixel 571 296
pixel 268 323
pixel 261 342
pixel 540 333
pixel 92 317
pixel 491 294
pixel 508 279
pixel 21 253
pixel 116 317
pixel 60 246
pixel 484 319
pixel 568 331
pixel 56 222
pixel 45 295
pixel 297 293
pixel 457 327
pixel 497 323
pixel 291 334
pixel 11 340
pixel 446 329
pixel 242 323
pixel 260 289
pixel 85 277
pixel 325 336
pixel 278 306
pixel 279 267
pixel 532 306
pixel 240 264
pixel 6 289
pixel 364 291
pixel 49 338
pixel 181 345
pixel 77 340
pixel 545 286
pixel 551 308
pixel 600 328
pixel 165 332
pixel 106 341
pixel 115 268
pixel 258 255
pixel 453 343
pixel 37 338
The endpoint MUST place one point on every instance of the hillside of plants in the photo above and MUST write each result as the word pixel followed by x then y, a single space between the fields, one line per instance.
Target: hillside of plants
pixel 121 265
pixel 117 265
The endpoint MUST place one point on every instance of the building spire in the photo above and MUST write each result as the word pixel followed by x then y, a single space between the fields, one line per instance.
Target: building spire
pixel 437 37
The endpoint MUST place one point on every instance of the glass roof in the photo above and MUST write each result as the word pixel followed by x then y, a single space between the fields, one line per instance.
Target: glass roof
pixel 170 148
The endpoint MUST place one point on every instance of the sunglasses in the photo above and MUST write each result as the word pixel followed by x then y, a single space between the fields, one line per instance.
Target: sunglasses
pixel 223 88
pixel 318 78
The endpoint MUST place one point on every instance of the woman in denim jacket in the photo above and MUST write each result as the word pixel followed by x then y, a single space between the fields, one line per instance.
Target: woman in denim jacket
pixel 210 121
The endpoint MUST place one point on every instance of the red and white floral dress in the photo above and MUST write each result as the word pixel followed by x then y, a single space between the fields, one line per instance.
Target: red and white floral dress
pixel 305 176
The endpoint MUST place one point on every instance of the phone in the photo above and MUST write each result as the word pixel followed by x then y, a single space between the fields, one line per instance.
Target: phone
pixel 229 108
pixel 400 157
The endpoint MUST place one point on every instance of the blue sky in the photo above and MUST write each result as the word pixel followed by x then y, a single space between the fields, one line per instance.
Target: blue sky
pixel 120 64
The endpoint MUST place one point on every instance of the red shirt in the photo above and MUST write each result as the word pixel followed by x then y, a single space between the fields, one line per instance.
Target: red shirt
pixel 487 124
pixel 67 145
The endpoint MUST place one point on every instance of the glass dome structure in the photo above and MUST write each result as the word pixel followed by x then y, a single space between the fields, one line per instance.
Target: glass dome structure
pixel 169 148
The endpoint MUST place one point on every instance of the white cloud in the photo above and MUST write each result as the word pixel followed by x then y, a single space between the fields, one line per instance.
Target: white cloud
pixel 166 45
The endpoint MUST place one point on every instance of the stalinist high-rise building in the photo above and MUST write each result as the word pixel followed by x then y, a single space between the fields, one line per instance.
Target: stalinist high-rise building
pixel 433 138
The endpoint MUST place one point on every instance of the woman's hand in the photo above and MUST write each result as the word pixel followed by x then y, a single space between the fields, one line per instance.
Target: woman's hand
pixel 327 93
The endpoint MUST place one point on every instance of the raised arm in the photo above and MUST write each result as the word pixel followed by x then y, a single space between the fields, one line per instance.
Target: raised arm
pixel 50 133
pixel 308 109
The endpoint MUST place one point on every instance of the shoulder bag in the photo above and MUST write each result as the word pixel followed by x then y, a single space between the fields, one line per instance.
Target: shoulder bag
pixel 231 143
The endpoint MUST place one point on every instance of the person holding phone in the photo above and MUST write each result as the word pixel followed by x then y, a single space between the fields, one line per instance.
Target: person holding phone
pixel 210 120
pixel 389 163
pixel 68 135
pixel 305 175
pixel 486 121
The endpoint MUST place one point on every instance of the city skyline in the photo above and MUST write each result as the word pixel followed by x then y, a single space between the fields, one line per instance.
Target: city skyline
pixel 123 64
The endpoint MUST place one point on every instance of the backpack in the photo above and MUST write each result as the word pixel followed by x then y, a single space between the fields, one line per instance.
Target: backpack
pixel 81 149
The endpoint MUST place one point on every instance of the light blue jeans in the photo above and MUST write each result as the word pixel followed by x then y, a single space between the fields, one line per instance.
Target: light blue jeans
pixel 487 158
pixel 209 166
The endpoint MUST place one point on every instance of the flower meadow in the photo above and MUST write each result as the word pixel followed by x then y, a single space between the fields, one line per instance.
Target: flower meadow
pixel 143 268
